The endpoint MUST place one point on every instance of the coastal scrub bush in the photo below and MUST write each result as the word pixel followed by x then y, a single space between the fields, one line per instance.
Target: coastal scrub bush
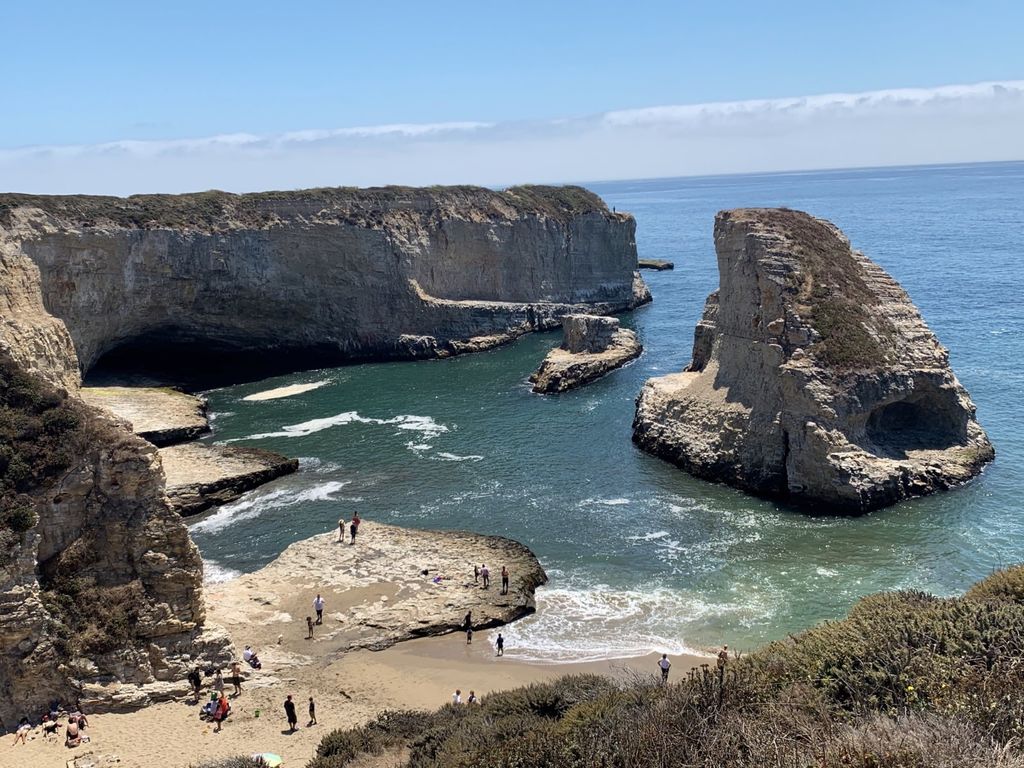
pixel 907 680
pixel 239 761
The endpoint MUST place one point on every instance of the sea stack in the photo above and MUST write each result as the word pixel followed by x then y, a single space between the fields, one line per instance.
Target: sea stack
pixel 591 347
pixel 814 378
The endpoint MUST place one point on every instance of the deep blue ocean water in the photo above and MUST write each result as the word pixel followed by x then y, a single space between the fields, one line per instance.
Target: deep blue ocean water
pixel 641 556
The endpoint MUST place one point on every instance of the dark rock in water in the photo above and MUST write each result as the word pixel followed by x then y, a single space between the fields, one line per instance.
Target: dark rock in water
pixel 656 264
pixel 592 346
pixel 814 378
pixel 200 476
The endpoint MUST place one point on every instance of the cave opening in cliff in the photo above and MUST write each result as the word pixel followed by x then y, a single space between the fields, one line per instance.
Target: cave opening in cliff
pixel 165 357
pixel 930 421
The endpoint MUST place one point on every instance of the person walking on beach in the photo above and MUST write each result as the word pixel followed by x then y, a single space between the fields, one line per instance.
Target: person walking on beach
pixel 318 606
pixel 665 664
pixel 309 626
pixel 476 573
pixel 236 677
pixel 469 634
pixel 289 711
pixel 468 621
pixel 341 530
pixel 312 713
pixel 500 643
pixel 504 580
pixel 485 574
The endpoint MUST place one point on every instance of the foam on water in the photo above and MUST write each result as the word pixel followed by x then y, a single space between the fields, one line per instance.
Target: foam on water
pixel 422 424
pixel 599 623
pixel 254 504
pixel 442 456
pixel 215 573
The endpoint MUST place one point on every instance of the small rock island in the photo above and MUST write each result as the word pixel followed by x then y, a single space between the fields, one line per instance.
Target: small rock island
pixel 814 378
pixel 592 346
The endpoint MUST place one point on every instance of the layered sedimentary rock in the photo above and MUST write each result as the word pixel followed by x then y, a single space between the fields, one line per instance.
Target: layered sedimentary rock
pixel 159 415
pixel 100 597
pixel 200 475
pixel 592 346
pixel 813 379
pixel 325 274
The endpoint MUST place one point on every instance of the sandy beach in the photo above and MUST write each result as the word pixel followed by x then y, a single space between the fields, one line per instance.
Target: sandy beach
pixel 377 598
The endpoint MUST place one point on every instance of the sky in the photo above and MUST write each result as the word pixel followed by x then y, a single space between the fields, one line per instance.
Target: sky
pixel 117 97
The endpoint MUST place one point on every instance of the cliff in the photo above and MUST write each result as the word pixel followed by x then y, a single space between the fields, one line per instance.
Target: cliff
pixel 100 586
pixel 813 379
pixel 592 346
pixel 317 275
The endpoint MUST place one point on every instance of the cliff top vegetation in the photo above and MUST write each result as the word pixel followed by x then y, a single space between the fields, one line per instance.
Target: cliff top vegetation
pixel 366 206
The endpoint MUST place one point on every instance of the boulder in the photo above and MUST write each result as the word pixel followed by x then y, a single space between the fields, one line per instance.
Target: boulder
pixel 814 378
pixel 592 346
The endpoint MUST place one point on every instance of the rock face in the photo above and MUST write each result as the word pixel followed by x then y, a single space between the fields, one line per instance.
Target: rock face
pixel 200 476
pixel 100 597
pixel 592 346
pixel 328 274
pixel 814 378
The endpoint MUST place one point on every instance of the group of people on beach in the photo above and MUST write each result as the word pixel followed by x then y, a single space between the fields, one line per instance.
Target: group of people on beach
pixel 467 624
pixel 483 573
pixel 318 607
pixel 721 660
pixel 292 717
pixel 74 732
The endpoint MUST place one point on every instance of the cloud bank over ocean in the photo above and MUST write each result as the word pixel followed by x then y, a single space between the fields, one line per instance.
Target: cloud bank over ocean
pixel 947 124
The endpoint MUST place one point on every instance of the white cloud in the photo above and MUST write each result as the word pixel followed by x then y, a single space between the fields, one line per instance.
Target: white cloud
pixel 953 123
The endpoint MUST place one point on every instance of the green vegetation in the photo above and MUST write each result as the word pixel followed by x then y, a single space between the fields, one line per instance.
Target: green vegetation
pixel 906 681
pixel 832 294
pixel 38 430
pixel 215 210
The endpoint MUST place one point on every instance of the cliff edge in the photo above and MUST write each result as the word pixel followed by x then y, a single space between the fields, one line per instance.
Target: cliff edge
pixel 814 378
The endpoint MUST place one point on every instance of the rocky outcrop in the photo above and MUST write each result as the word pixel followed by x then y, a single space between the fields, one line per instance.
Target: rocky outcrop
pixel 201 475
pixel 159 415
pixel 100 585
pixel 658 265
pixel 327 274
pixel 814 378
pixel 592 346
pixel 262 606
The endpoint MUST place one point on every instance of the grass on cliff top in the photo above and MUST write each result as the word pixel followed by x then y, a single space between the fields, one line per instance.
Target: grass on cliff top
pixel 364 206
pixel 906 681
pixel 831 292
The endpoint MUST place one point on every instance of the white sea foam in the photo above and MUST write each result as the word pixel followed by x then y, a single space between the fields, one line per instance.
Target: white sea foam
pixel 321 467
pixel 256 503
pixel 215 573
pixel 442 456
pixel 422 424
pixel 826 572
pixel 288 391
pixel 650 536
pixel 415 447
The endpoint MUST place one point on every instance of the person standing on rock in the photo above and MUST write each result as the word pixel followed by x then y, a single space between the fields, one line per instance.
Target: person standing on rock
pixel 289 712
pixel 664 664
pixel 195 679
pixel 476 573
pixel 341 530
pixel 221 710
pixel 504 580
pixel 309 626
pixel 312 712
pixel 218 681
pixel 318 606
pixel 500 643
pixel 485 574
pixel 354 527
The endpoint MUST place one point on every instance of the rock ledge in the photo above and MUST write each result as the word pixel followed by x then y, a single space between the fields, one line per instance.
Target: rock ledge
pixel 592 346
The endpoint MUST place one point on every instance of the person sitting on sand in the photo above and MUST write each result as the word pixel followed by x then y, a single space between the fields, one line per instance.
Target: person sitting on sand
pixel 250 657
pixel 50 727
pixel 72 736
pixel 24 726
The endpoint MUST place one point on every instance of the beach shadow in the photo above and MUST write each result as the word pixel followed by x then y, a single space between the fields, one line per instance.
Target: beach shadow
pixel 288 732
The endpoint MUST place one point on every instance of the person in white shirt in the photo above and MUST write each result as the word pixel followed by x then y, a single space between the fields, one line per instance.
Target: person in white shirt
pixel 664 663
pixel 457 697
pixel 318 606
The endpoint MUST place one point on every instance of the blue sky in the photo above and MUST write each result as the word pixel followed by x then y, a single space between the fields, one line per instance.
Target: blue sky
pixel 137 79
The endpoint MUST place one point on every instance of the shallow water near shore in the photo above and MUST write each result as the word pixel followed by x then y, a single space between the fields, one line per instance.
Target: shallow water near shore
pixel 641 556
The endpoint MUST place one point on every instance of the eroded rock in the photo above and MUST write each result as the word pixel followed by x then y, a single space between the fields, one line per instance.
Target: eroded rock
pixel 161 415
pixel 592 346
pixel 813 379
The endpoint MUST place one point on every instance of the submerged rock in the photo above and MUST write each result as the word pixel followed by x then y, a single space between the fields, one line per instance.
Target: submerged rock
pixel 659 265
pixel 813 379
pixel 592 346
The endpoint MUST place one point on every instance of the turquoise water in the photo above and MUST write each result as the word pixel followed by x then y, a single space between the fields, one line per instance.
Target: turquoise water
pixel 641 556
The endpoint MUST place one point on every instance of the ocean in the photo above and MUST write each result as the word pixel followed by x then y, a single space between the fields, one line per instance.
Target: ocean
pixel 641 556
